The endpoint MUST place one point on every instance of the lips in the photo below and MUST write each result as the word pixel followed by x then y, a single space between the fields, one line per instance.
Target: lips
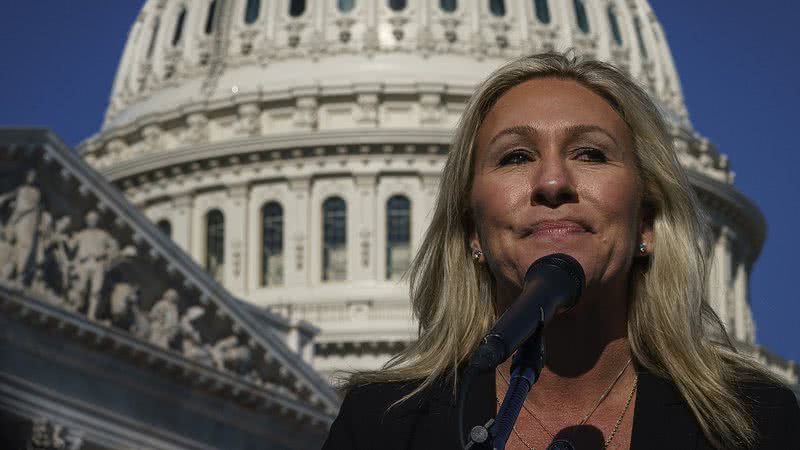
pixel 553 227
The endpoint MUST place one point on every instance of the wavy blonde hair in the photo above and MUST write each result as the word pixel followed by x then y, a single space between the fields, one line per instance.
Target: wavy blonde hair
pixel 670 325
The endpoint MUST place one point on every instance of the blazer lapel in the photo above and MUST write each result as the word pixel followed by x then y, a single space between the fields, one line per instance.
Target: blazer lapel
pixel 662 419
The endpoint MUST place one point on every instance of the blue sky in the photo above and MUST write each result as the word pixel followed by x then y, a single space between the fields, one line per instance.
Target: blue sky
pixel 738 63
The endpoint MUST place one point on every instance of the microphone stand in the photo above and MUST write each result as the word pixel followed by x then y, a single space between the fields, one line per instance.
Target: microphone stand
pixel 526 366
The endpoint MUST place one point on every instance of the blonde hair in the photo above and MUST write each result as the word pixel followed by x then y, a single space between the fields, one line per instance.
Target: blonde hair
pixel 670 325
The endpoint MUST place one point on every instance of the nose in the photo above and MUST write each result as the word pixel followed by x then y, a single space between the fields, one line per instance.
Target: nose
pixel 553 184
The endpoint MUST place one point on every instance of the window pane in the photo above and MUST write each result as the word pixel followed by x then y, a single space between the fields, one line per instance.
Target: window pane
pixel 297 7
pixel 398 236
pixel 346 5
pixel 165 227
pixel 215 244
pixel 176 37
pixel 448 5
pixel 272 244
pixel 334 238
pixel 542 10
pixel 580 15
pixel 614 25
pixel 642 48
pixel 211 17
pixel 397 5
pixel 251 11
pixel 497 7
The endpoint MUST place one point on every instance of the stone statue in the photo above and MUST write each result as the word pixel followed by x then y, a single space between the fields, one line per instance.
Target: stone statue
pixel 60 241
pixel 192 343
pixel 228 354
pixel 95 251
pixel 46 435
pixel 164 320
pixel 125 311
pixel 20 230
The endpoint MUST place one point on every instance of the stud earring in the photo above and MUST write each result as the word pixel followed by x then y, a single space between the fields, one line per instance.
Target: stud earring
pixel 476 255
pixel 642 248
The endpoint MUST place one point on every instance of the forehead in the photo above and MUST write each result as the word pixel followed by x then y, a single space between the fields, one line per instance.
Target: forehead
pixel 550 104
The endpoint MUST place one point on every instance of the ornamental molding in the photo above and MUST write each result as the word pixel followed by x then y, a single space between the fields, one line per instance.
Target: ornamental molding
pixel 24 307
pixel 729 207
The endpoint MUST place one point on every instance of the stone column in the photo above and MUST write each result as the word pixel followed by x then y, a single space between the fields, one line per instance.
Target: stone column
pixel 235 234
pixel 296 233
pixel 741 304
pixel 364 219
pixel 182 221
pixel 720 275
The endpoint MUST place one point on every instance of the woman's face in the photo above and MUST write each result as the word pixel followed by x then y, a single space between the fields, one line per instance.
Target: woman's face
pixel 555 172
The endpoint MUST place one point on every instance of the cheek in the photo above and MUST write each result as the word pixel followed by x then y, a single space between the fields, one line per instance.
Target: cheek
pixel 617 200
pixel 495 201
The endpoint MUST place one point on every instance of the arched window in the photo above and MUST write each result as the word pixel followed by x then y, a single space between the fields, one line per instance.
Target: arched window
pixel 638 26
pixel 614 25
pixel 251 11
pixel 346 5
pixel 397 5
pixel 497 7
pixel 542 11
pixel 334 239
pixel 176 36
pixel 152 45
pixel 271 244
pixel 398 236
pixel 165 227
pixel 297 7
pixel 448 5
pixel 215 244
pixel 211 18
pixel 580 15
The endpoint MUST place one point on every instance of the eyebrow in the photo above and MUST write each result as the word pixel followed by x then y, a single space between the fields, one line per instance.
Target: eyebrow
pixel 571 131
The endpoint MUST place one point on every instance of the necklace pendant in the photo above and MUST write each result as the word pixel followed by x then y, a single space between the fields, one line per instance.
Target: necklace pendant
pixel 561 444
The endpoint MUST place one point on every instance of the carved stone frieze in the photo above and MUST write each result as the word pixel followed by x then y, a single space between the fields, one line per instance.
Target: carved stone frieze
pixel 47 435
pixel 70 259
pixel 196 129
pixel 305 115
pixel 249 122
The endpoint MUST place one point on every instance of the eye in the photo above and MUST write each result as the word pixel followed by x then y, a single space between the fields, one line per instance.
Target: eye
pixel 590 154
pixel 515 157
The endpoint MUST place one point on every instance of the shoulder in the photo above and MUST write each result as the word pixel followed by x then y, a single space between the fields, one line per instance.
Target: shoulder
pixel 371 413
pixel 383 397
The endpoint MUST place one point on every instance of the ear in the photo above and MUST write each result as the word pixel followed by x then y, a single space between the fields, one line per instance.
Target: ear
pixel 646 225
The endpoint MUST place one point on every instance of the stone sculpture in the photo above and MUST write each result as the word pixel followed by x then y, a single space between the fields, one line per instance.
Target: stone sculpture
pixel 20 230
pixel 125 311
pixel 164 318
pixel 96 251
pixel 192 343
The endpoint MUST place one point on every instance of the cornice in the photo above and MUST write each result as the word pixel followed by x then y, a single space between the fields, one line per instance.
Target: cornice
pixel 21 306
pixel 285 147
pixel 726 200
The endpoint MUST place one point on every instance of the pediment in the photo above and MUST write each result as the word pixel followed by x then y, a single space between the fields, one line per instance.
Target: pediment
pixel 76 256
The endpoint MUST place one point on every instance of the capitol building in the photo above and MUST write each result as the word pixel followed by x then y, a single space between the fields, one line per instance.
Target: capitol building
pixel 293 147
pixel 293 150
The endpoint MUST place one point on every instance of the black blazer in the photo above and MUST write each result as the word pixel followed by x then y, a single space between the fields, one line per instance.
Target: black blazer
pixel 662 419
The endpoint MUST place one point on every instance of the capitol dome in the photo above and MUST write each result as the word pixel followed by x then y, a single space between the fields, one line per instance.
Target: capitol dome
pixel 294 147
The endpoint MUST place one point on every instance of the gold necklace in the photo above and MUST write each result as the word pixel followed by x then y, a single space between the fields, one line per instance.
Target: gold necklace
pixel 589 415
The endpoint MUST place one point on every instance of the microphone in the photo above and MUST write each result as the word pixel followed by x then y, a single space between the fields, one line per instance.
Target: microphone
pixel 552 283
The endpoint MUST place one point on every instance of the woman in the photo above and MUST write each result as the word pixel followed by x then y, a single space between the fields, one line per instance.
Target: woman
pixel 557 154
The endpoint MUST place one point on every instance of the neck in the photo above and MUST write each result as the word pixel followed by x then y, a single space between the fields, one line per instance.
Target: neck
pixel 586 348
